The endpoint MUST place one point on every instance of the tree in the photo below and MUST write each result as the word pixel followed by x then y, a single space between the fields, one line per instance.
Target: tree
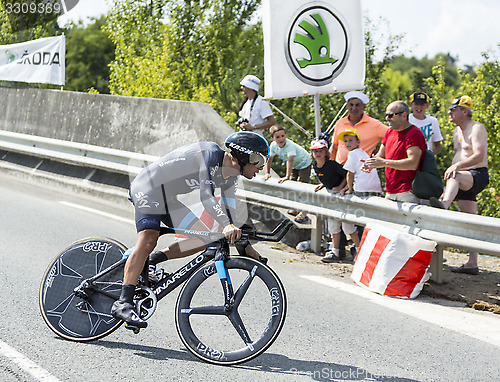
pixel 196 55
pixel 89 52
pixel 484 89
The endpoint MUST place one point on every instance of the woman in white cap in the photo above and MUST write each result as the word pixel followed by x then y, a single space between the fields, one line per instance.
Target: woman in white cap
pixel 255 113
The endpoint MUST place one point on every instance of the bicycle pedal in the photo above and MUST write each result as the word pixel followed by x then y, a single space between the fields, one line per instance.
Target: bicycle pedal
pixel 132 327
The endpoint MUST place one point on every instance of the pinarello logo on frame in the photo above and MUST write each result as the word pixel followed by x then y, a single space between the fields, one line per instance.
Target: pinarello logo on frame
pixel 317 44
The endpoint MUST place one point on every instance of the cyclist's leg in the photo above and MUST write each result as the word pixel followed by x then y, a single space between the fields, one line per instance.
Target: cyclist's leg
pixel 148 227
pixel 146 243
pixel 180 216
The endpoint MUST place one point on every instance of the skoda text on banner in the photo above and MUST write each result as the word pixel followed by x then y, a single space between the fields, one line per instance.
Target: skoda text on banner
pixel 40 61
pixel 312 47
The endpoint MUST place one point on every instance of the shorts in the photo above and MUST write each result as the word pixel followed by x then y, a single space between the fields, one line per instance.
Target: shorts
pixel 481 179
pixel 176 215
pixel 335 225
pixel 302 175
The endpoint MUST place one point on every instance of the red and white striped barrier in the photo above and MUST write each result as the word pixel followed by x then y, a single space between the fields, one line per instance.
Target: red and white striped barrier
pixel 392 263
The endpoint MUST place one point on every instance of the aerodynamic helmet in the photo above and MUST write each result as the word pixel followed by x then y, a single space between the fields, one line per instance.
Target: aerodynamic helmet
pixel 248 147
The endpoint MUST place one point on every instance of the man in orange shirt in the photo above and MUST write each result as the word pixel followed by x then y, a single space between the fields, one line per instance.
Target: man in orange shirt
pixel 370 130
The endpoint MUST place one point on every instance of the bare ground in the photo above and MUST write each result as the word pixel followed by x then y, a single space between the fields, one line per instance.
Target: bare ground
pixel 480 292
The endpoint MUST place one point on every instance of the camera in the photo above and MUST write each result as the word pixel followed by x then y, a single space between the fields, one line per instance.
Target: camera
pixel 240 121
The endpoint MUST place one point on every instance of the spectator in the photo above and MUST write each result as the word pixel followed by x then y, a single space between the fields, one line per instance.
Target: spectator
pixel 429 126
pixel 370 130
pixel 400 153
pixel 468 174
pixel 298 162
pixel 358 182
pixel 332 176
pixel 255 113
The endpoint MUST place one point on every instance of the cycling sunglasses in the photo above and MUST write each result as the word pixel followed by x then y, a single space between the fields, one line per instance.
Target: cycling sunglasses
pixel 390 115
pixel 258 159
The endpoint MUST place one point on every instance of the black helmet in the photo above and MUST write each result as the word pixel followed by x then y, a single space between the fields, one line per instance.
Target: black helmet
pixel 248 147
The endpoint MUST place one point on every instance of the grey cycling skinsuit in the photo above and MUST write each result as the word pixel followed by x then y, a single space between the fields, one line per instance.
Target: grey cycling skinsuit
pixel 195 167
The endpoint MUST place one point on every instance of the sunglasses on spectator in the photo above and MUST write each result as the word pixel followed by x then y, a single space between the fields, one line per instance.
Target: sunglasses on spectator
pixel 390 115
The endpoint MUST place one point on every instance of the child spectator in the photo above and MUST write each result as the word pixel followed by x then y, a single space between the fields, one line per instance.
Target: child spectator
pixel 297 159
pixel 332 176
pixel 357 181
pixel 419 103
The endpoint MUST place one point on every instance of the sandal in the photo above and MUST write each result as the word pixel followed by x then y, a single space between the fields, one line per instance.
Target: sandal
pixel 436 203
pixel 467 271
pixel 302 220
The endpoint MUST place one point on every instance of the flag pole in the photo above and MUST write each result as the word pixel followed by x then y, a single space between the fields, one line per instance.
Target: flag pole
pixel 317 115
pixel 292 121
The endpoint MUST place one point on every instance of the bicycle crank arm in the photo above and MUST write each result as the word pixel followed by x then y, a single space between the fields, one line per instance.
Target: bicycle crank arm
pixel 84 310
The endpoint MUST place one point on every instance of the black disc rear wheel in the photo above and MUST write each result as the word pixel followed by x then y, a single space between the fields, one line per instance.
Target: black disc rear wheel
pixel 83 316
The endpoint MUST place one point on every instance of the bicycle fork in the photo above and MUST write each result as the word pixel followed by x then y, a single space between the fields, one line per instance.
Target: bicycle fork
pixel 230 306
pixel 227 286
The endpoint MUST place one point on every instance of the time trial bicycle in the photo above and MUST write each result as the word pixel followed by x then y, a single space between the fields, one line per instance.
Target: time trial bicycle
pixel 229 310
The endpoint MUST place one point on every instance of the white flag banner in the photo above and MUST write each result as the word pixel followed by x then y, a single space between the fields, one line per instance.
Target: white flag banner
pixel 40 61
pixel 312 47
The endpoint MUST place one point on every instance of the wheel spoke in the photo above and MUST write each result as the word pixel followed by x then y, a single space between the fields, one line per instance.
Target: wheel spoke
pixel 235 319
pixel 242 290
pixel 214 310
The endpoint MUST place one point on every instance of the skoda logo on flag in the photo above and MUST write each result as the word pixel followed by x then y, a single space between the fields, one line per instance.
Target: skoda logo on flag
pixel 317 45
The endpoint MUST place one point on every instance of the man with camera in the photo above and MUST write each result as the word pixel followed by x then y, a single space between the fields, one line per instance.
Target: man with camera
pixel 255 113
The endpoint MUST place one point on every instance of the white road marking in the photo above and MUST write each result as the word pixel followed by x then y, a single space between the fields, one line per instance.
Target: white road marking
pixel 482 326
pixel 94 211
pixel 27 365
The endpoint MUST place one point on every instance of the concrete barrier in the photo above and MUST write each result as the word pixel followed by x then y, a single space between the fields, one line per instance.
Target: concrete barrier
pixel 142 125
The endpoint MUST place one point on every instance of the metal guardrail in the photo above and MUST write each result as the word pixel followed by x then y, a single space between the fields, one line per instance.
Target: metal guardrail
pixel 450 228
pixel 447 228
pixel 81 154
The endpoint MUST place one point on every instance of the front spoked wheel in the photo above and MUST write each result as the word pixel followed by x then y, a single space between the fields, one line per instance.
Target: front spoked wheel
pixel 228 335
pixel 83 314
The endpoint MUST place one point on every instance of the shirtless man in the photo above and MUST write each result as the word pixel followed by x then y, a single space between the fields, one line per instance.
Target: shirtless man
pixel 468 174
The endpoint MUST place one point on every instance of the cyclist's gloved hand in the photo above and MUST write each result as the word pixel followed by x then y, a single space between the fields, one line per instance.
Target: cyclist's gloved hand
pixel 232 233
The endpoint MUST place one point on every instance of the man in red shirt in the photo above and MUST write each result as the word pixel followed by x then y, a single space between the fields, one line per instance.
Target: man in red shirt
pixel 370 130
pixel 400 153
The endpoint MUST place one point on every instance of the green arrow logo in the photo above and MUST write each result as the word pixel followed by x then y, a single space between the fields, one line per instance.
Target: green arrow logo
pixel 316 41
pixel 10 57
pixel 316 44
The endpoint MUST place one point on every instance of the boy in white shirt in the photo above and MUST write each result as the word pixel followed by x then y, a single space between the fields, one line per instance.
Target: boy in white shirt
pixel 358 182
pixel 419 103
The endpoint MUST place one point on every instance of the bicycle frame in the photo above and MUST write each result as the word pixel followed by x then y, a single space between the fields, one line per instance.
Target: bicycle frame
pixel 172 281
pixel 217 250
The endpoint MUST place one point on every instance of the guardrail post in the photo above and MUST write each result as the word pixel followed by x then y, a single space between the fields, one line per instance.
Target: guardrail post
pixel 316 233
pixel 436 266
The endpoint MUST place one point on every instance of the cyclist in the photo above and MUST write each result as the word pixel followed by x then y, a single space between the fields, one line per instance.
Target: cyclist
pixel 202 167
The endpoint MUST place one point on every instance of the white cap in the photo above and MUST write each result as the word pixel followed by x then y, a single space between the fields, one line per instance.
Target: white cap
pixel 357 94
pixel 251 82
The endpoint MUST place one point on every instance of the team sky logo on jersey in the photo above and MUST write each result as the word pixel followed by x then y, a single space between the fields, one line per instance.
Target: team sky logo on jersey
pixel 317 44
